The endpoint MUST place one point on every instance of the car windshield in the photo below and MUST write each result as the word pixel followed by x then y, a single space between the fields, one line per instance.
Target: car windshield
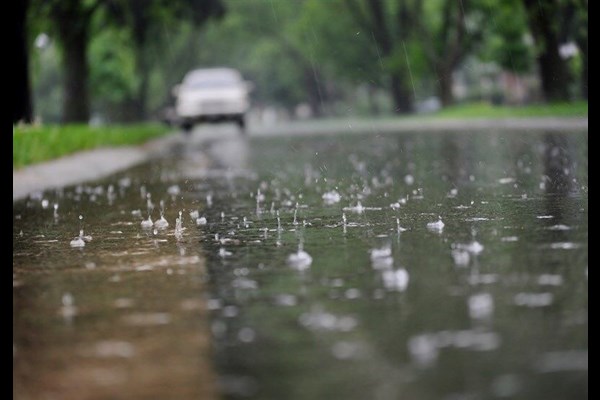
pixel 216 79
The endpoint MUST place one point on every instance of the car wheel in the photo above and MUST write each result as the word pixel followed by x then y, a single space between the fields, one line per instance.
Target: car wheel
pixel 241 123
pixel 187 127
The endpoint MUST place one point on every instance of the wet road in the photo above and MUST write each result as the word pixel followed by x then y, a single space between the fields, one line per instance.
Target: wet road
pixel 397 265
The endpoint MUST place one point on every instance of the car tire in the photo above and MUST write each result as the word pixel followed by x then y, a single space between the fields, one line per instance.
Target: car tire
pixel 241 123
pixel 187 127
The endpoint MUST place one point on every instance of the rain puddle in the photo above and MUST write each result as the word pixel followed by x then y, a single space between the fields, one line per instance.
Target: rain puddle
pixel 363 266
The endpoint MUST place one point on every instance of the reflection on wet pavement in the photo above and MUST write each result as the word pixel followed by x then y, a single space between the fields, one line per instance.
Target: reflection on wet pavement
pixel 422 266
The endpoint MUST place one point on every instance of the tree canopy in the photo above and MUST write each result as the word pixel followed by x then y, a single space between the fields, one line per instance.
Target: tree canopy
pixel 118 59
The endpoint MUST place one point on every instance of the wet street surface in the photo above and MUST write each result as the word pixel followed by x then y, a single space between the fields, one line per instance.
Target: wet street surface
pixel 423 265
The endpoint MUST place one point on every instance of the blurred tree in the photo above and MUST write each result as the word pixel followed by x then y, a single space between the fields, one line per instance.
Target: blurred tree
pixel 391 24
pixel 449 31
pixel 575 28
pixel 71 21
pixel 268 42
pixel 343 49
pixel 505 36
pixel 546 17
pixel 146 21
pixel 22 106
pixel 581 36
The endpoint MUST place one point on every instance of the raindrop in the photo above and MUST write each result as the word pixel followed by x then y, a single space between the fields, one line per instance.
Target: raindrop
pixel 481 306
pixel 331 197
pixel 395 280
pixel 278 221
pixel 77 242
pixel 161 223
pixel 550 279
pixel 533 299
pixel 246 335
pixel 147 223
pixel 179 226
pixel 398 227
pixel 173 190
pixel 461 257
pixel 437 226
pixel 224 253
pixel 300 260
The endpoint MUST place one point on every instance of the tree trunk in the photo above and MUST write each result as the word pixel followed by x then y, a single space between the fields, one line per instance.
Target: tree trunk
pixel 141 96
pixel 76 103
pixel 553 69
pixel 445 89
pixel 401 96
pixel 315 95
pixel 372 96
pixel 22 110
pixel 583 47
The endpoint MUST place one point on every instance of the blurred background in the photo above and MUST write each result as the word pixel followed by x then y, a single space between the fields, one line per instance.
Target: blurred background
pixel 116 61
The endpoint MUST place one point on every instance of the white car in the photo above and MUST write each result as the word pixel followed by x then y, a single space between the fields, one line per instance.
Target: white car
pixel 212 95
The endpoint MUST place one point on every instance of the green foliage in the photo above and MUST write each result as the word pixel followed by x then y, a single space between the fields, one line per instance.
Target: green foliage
pixel 486 110
pixel 36 143
pixel 46 83
pixel 113 77
pixel 314 51
pixel 506 38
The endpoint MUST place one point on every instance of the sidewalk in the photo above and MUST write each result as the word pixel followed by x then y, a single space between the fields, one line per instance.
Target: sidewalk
pixel 85 166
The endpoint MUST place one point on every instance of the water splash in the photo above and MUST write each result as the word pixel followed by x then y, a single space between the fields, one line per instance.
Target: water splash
pixel 381 258
pixel 474 247
pixel 161 223
pixel 358 208
pixel 147 223
pixel 224 253
pixel 278 222
pixel 399 229
pixel 395 280
pixel 481 306
pixel 77 242
pixel 80 240
pixel 295 222
pixel 437 226
pixel 331 197
pixel 68 309
pixel 300 260
pixel 174 190
pixel 179 226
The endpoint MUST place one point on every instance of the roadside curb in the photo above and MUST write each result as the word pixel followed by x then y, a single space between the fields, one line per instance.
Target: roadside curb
pixel 85 166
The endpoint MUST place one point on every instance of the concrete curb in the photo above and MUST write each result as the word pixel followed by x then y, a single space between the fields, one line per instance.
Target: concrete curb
pixel 85 166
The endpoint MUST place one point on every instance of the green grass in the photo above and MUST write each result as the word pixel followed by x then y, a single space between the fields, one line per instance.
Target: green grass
pixel 486 110
pixel 33 144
